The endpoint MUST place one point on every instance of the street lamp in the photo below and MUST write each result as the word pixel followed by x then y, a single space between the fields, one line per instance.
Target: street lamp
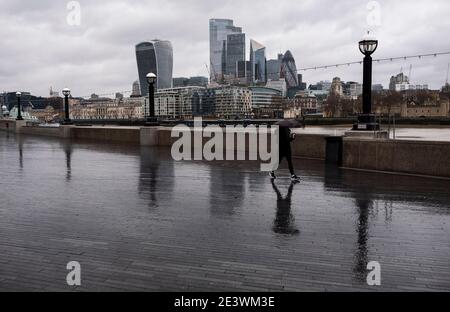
pixel 67 120
pixel 151 79
pixel 366 120
pixel 19 108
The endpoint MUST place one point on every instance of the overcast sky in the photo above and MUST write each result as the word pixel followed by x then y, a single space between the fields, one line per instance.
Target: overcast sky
pixel 40 49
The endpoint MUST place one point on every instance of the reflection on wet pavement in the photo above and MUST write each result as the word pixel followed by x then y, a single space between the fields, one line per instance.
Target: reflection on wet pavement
pixel 137 220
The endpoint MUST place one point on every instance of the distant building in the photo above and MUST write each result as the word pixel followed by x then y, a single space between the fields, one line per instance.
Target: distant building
pixel 244 69
pixel 399 87
pixel 258 61
pixel 53 93
pixel 265 102
pixel 289 70
pixel 157 57
pixel 219 29
pixel 413 110
pixel 377 87
pixel 176 103
pixel 398 79
pixel 190 82
pixel 104 108
pixel 232 101
pixel 307 101
pixel 352 89
pixel 279 84
pixel 235 52
pixel 274 68
pixel 336 87
pixel 136 91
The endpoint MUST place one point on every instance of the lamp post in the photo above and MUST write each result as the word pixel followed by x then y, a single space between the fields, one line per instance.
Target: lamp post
pixel 19 108
pixel 67 120
pixel 151 79
pixel 366 120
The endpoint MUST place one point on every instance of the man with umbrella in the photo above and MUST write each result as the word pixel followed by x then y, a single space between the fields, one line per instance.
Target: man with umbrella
pixel 285 138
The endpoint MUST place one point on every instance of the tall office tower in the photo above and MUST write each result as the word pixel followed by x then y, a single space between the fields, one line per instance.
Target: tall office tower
pixel 273 69
pixel 289 70
pixel 258 61
pixel 136 90
pixel 156 57
pixel 235 52
pixel 219 29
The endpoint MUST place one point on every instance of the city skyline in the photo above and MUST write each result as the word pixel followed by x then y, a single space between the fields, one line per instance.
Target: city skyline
pixel 98 55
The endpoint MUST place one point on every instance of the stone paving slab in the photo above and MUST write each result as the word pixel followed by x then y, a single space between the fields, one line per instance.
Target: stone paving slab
pixel 136 220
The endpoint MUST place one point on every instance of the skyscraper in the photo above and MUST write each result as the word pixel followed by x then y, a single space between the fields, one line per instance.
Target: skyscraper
pixel 155 56
pixel 219 29
pixel 136 90
pixel 235 52
pixel 258 61
pixel 289 70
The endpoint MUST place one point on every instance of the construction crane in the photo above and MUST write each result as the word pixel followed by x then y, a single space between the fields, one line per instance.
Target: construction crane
pixel 448 68
pixel 409 75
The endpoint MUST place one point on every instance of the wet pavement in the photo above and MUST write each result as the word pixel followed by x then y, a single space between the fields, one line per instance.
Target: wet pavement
pixel 137 220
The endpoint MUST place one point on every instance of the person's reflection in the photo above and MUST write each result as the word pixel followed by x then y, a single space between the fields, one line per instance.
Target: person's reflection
pixel 351 184
pixel 20 143
pixel 364 205
pixel 284 220
pixel 68 151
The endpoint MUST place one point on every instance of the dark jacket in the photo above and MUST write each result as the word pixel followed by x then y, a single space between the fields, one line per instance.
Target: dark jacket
pixel 285 141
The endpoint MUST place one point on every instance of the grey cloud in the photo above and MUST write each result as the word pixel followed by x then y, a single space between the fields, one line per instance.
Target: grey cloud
pixel 39 49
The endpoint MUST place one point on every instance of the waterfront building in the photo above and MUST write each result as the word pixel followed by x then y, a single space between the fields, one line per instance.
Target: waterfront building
pixel 258 62
pixel 412 110
pixel 177 103
pixel 105 108
pixel 265 102
pixel 155 56
pixel 219 29
pixel 232 102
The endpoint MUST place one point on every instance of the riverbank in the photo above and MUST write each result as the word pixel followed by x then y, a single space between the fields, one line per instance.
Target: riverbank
pixel 411 155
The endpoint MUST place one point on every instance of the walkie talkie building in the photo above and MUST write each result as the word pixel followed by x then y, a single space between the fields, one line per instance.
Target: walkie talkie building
pixel 155 56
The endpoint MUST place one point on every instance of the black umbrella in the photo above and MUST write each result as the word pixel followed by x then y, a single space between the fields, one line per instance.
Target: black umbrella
pixel 289 123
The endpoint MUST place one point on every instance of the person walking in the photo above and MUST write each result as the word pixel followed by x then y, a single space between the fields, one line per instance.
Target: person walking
pixel 285 138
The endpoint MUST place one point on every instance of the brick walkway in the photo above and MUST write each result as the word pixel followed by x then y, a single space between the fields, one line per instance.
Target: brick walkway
pixel 136 220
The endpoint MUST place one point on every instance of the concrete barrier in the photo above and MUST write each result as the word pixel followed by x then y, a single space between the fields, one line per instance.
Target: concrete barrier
pixel 413 157
pixel 128 135
pixel 304 146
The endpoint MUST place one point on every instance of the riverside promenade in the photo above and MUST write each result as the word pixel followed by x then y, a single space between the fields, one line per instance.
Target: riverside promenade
pixel 137 220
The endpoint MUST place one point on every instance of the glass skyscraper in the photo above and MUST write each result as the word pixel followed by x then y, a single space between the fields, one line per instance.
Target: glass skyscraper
pixel 156 57
pixel 289 70
pixel 219 29
pixel 235 53
pixel 258 61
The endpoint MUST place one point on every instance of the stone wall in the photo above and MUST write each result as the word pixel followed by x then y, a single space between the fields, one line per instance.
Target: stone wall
pixel 414 157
